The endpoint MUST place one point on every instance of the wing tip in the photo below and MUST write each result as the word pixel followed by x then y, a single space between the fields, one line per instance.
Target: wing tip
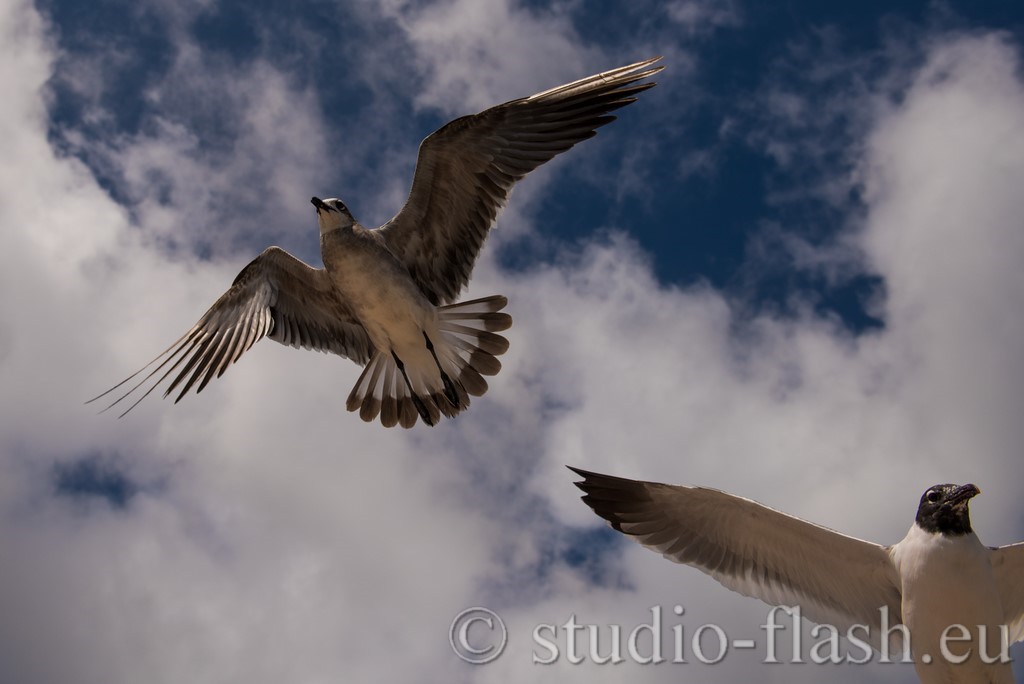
pixel 594 479
pixel 611 80
pixel 642 64
pixel 603 494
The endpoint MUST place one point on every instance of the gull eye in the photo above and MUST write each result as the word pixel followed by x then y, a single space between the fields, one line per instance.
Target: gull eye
pixel 932 496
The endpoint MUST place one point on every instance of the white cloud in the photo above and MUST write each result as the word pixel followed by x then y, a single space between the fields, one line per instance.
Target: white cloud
pixel 703 16
pixel 193 187
pixel 464 48
pixel 288 541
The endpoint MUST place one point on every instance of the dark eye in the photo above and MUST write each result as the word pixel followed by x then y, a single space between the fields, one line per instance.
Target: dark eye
pixel 932 496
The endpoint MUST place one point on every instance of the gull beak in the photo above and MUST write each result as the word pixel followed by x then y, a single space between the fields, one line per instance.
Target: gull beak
pixel 964 494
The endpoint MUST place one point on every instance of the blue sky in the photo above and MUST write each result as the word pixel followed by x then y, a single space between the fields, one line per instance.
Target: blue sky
pixel 787 272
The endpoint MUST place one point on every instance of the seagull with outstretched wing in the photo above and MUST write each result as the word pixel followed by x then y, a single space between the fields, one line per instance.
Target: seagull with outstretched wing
pixel 940 575
pixel 385 296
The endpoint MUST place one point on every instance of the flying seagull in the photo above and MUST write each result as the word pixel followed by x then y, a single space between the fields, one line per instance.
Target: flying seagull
pixel 939 575
pixel 385 296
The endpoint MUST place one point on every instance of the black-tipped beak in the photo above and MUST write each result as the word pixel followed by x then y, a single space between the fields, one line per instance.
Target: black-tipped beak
pixel 318 203
pixel 964 493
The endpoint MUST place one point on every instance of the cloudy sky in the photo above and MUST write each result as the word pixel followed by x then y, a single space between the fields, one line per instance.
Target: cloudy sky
pixel 791 271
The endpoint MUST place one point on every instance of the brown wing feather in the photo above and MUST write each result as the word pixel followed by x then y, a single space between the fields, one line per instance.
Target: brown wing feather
pixel 753 549
pixel 466 169
pixel 275 296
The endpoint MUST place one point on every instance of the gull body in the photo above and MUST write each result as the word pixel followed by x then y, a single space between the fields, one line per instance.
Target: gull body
pixel 377 286
pixel 948 579
pixel 386 297
pixel 396 314
pixel 939 575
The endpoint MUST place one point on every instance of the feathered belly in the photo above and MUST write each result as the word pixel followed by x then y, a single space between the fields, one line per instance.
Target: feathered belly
pixel 955 634
pixel 385 299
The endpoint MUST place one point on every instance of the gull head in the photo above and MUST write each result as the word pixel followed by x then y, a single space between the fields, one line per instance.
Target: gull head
pixel 332 214
pixel 943 509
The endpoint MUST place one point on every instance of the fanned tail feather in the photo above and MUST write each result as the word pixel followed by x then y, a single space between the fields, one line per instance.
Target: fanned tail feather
pixel 466 352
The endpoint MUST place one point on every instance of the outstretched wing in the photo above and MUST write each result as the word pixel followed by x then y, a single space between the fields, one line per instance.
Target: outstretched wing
pixel 1008 567
pixel 754 550
pixel 275 296
pixel 466 169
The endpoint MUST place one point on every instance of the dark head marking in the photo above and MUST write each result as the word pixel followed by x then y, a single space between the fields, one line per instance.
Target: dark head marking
pixel 943 509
